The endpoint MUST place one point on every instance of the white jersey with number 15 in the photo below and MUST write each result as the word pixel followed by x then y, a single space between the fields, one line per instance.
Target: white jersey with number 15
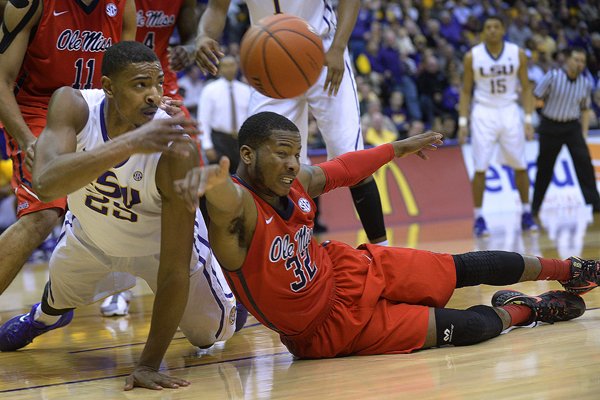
pixel 496 79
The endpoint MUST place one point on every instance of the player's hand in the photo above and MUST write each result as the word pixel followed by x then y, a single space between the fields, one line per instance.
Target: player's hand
pixel 29 154
pixel 181 56
pixel 149 378
pixel 211 155
pixel 334 61
pixel 208 53
pixel 171 106
pixel 529 131
pixel 462 135
pixel 199 180
pixel 417 144
pixel 157 135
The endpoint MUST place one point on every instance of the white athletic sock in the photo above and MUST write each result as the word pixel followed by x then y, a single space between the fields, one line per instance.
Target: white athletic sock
pixel 382 243
pixel 44 318
pixel 477 212
pixel 526 207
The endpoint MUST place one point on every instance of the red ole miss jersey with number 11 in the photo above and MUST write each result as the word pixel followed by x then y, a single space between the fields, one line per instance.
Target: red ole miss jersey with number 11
pixel 66 49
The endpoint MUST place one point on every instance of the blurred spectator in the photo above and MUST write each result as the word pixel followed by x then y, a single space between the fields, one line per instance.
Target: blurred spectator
pixel 431 84
pixel 450 28
pixel 397 113
pixel 380 130
pixel 595 109
pixel 416 127
pixel 8 204
pixel 191 84
pixel 518 32
pixel 223 107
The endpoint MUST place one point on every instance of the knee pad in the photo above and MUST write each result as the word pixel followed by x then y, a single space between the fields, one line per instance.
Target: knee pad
pixel 465 327
pixel 498 268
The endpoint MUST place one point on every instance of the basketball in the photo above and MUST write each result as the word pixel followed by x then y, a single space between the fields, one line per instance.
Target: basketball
pixel 281 56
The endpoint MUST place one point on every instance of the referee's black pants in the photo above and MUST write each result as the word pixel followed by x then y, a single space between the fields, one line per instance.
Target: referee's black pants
pixel 553 135
pixel 226 145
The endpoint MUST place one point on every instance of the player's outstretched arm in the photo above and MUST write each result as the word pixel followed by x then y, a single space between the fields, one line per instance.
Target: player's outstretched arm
pixel 231 209
pixel 177 232
pixel 59 170
pixel 210 29
pixel 16 24
pixel 351 168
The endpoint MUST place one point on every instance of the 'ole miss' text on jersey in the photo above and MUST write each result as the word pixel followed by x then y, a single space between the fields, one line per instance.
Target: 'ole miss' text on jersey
pixel 155 24
pixel 62 52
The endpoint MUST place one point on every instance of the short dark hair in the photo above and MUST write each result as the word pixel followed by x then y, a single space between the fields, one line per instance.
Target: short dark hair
pixel 496 18
pixel 575 49
pixel 122 54
pixel 258 128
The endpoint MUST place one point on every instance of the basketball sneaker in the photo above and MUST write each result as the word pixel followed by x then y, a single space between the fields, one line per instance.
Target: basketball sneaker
pixel 528 223
pixel 241 316
pixel 19 331
pixel 585 276
pixel 480 227
pixel 116 305
pixel 549 307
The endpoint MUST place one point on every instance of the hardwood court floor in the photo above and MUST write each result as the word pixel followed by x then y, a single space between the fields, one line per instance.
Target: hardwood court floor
pixel 90 358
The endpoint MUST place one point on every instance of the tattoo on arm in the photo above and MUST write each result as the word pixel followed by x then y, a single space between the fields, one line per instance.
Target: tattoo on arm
pixel 9 36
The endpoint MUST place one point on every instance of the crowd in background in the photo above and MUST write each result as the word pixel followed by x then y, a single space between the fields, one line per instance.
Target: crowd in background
pixel 408 55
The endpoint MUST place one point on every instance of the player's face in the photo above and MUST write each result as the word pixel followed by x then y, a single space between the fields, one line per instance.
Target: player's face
pixel 576 62
pixel 277 163
pixel 493 31
pixel 137 92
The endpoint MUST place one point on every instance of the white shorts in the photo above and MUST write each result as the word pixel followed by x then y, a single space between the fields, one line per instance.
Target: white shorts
pixel 338 117
pixel 82 274
pixel 503 126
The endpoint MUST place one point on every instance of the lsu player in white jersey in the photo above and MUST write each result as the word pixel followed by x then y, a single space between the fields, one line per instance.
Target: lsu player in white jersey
pixel 498 72
pixel 332 100
pixel 115 155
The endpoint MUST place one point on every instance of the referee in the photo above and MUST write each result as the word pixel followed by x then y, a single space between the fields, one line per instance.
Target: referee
pixel 566 94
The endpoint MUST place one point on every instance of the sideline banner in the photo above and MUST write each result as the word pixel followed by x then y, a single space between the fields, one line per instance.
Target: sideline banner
pixel 501 192
pixel 411 189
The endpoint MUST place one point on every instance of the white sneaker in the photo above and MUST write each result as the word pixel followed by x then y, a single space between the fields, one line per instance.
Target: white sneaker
pixel 116 305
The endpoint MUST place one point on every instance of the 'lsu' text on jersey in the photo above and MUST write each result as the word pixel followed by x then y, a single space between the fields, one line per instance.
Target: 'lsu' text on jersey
pixel 496 79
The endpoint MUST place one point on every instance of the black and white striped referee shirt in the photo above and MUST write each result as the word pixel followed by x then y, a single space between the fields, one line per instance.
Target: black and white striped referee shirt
pixel 564 98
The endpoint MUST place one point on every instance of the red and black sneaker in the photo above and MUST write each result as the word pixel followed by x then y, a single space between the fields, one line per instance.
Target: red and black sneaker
pixel 585 276
pixel 549 307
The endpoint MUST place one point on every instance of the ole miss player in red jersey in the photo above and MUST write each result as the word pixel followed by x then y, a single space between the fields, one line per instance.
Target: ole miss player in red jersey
pixel 330 299
pixel 156 21
pixel 44 45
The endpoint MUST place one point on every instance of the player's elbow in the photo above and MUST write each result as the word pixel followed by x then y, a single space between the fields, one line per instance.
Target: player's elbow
pixel 43 190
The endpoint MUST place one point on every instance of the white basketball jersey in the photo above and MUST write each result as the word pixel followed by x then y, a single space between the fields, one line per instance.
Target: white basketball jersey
pixel 496 79
pixel 120 211
pixel 318 13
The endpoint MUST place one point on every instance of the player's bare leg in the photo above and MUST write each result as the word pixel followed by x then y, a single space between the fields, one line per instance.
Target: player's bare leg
pixel 522 182
pixel 21 239
pixel 478 187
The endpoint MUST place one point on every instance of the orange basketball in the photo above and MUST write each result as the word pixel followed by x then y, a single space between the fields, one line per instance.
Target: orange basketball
pixel 281 56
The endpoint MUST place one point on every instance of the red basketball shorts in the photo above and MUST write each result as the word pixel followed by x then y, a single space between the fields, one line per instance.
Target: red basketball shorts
pixel 27 201
pixel 381 302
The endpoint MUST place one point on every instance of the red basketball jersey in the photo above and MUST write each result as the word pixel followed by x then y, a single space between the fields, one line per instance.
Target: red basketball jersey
pixel 156 21
pixel 286 280
pixel 67 49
